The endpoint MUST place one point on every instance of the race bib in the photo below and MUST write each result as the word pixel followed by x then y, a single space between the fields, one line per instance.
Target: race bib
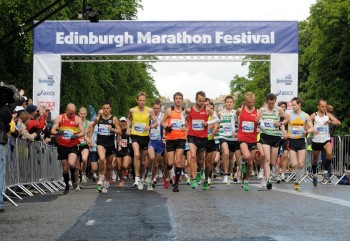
pixel 269 124
pixel 197 125
pixel 139 127
pixel 176 124
pixel 154 134
pixel 297 131
pixel 66 135
pixel 227 129
pixel 248 126
pixel 124 142
pixel 103 130
pixel 323 129
pixel 82 140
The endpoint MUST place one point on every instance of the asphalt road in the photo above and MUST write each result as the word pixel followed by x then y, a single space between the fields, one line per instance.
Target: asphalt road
pixel 221 213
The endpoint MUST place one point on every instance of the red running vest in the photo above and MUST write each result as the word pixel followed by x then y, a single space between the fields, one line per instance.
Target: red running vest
pixel 247 129
pixel 69 128
pixel 195 126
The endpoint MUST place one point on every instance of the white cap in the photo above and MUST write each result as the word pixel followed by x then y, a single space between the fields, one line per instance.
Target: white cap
pixel 19 108
pixel 122 119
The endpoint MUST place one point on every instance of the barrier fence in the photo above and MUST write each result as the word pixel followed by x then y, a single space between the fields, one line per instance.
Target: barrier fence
pixel 32 167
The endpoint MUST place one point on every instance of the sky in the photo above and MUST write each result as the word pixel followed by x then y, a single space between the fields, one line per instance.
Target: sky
pixel 212 77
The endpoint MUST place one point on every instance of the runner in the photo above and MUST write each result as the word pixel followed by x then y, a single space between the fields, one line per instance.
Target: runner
pixel 108 127
pixel 247 135
pixel 228 138
pixel 270 137
pixel 174 124
pixel 297 120
pixel 139 121
pixel 123 153
pixel 69 128
pixel 321 138
pixel 283 152
pixel 83 147
pixel 156 146
pixel 93 156
pixel 198 136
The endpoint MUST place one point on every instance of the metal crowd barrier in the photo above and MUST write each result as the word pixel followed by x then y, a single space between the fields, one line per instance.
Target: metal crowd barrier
pixel 340 161
pixel 31 167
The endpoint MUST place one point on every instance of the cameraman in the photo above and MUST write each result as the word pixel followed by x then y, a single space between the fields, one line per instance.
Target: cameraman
pixel 36 122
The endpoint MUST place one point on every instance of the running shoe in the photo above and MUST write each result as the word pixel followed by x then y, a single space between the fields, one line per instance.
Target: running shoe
pixel 137 180
pixel 194 184
pixel 66 190
pixel 263 182
pixel 77 188
pixel 176 188
pixel 84 178
pixel 225 181
pixel 283 177
pixel 188 180
pixel 105 187
pixel 261 173
pixel 94 177
pixel 268 185
pixel 314 180
pixel 166 183
pixel 278 179
pixel 148 178
pixel 202 174
pixel 140 185
pixel 296 186
pixel 149 187
pixel 75 185
pixel 209 181
pixel 205 186
pixel 198 177
pixel 231 176
pixel 246 185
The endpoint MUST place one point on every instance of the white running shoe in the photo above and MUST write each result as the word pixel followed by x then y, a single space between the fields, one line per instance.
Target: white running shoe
pixel 84 179
pixel 209 181
pixel 100 181
pixel 140 185
pixel 137 180
pixel 283 177
pixel 149 187
pixel 261 173
pixel 263 182
pixel 77 188
pixel 149 178
pixel 226 181
pixel 105 187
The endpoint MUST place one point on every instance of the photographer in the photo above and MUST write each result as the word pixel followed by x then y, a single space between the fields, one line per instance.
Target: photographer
pixel 36 122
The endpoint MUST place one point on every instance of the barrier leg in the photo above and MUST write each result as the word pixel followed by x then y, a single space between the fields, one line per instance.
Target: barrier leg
pixel 47 187
pixel 8 198
pixel 14 193
pixel 52 186
pixel 57 185
pixel 25 190
pixel 290 177
pixel 39 189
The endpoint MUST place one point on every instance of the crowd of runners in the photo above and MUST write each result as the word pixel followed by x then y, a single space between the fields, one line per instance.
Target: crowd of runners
pixel 193 144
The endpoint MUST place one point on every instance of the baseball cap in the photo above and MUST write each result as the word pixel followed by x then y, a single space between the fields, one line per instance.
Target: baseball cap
pixel 122 119
pixel 31 108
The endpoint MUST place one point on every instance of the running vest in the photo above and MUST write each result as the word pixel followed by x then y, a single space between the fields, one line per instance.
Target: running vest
pixel 323 130
pixel 157 133
pixel 104 136
pixel 82 139
pixel 176 121
pixel 228 125
pixel 123 142
pixel 269 122
pixel 247 130
pixel 69 128
pixel 139 121
pixel 195 123
pixel 296 125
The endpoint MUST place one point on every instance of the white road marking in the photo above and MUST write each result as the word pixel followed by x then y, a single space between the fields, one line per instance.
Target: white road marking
pixel 108 200
pixel 90 222
pixel 309 195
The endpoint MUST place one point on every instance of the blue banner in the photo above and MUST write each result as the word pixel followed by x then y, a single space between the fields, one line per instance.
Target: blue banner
pixel 166 37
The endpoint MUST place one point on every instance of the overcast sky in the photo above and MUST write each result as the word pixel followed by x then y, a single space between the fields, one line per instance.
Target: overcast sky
pixel 214 77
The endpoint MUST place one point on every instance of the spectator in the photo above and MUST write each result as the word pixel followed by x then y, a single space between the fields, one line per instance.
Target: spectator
pixel 23 119
pixel 330 109
pixel 5 120
pixel 36 122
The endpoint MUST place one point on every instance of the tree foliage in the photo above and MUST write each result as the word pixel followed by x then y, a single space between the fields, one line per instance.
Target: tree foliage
pixel 81 83
pixel 324 62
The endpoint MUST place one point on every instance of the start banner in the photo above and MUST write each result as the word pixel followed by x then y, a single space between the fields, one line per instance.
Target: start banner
pixel 165 37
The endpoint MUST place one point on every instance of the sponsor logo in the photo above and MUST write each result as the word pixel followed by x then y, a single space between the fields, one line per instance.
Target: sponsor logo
pixel 283 92
pixel 45 93
pixel 48 105
pixel 49 81
pixel 287 80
